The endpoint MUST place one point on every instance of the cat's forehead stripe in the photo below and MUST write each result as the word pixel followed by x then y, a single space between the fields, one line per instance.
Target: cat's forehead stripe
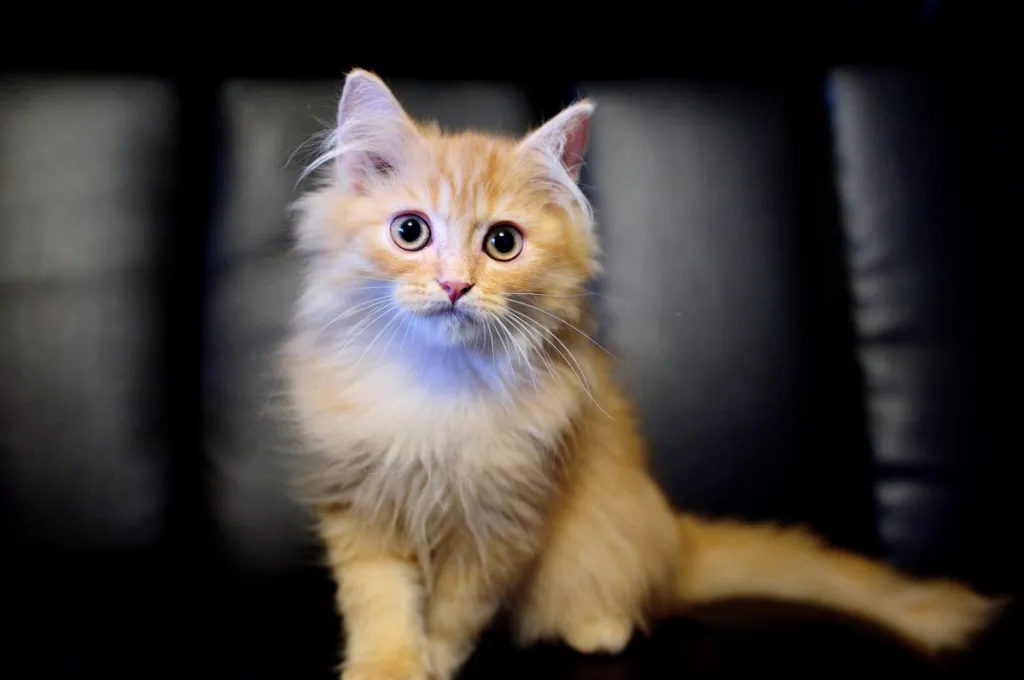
pixel 467 180
pixel 443 198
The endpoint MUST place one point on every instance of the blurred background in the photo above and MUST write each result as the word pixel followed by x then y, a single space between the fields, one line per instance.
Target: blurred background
pixel 811 219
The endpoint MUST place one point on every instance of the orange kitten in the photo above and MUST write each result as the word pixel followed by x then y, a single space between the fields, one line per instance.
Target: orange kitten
pixel 469 448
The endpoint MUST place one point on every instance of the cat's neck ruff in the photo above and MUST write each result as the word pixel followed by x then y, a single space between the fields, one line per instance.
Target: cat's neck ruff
pixel 430 436
pixel 407 384
pixel 497 367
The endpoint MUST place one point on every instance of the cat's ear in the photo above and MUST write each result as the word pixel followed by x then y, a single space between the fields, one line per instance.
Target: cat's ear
pixel 565 137
pixel 374 134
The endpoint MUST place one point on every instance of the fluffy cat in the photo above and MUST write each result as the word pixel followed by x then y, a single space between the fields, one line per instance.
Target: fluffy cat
pixel 469 449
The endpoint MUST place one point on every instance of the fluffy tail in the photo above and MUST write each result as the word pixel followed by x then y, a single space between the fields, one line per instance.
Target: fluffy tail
pixel 726 560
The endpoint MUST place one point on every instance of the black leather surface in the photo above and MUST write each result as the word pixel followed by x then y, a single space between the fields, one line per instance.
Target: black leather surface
pixel 85 428
pixel 790 643
pixel 83 179
pixel 929 170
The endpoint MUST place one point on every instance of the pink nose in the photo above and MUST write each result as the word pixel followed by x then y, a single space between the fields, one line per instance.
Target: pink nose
pixel 455 289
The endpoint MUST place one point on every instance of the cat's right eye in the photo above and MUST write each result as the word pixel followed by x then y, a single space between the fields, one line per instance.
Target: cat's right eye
pixel 410 232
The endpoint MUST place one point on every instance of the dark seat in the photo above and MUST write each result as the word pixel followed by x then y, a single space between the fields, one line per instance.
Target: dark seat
pixel 813 284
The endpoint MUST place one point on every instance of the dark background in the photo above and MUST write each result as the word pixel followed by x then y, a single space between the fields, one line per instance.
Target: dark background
pixel 813 234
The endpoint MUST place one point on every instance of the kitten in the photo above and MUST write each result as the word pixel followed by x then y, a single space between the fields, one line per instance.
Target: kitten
pixel 470 451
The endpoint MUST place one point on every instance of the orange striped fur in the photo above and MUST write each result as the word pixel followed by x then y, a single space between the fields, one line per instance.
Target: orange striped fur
pixel 472 456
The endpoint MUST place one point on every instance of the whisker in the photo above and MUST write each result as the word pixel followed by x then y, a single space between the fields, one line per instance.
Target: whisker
pixel 362 326
pixel 405 336
pixel 508 354
pixel 491 332
pixel 602 296
pixel 380 287
pixel 393 334
pixel 526 359
pixel 371 278
pixel 368 304
pixel 501 338
pixel 396 317
pixel 523 318
pixel 355 308
pixel 534 336
pixel 494 316
pixel 550 295
pixel 561 320
pixel 370 309
pixel 490 336
pixel 581 376
pixel 366 322
pixel 349 311
pixel 577 369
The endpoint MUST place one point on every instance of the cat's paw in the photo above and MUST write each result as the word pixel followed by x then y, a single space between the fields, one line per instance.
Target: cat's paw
pixel 445 659
pixel 396 668
pixel 600 636
pixel 384 673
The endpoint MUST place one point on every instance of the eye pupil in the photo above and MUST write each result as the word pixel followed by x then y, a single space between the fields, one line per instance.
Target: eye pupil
pixel 503 241
pixel 410 230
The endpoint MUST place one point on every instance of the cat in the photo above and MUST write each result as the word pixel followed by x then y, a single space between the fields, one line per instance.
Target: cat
pixel 469 451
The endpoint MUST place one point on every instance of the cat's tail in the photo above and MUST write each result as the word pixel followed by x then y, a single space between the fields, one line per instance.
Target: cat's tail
pixel 727 560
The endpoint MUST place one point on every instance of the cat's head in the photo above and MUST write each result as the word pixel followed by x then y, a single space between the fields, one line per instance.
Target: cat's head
pixel 462 239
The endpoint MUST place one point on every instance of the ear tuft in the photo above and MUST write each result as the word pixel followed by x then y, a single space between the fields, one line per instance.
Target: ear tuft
pixel 373 136
pixel 366 96
pixel 565 137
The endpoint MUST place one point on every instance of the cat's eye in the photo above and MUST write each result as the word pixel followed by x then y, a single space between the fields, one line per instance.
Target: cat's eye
pixel 410 232
pixel 503 242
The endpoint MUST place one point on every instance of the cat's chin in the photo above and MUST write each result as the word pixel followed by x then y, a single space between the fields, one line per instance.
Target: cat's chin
pixel 450 327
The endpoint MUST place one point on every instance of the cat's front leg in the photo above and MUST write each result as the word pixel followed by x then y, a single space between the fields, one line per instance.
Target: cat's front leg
pixel 468 591
pixel 460 606
pixel 380 598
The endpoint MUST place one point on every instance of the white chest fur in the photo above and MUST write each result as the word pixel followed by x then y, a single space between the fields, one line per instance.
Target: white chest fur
pixel 427 445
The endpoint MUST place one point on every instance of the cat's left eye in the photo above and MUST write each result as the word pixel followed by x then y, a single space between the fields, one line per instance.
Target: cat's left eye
pixel 503 242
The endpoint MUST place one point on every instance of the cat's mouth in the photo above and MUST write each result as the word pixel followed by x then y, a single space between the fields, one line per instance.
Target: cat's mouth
pixel 448 311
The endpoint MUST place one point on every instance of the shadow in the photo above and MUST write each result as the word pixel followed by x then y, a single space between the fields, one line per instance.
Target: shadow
pixel 750 639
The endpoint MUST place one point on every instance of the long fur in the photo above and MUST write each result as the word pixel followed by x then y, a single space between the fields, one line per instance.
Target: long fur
pixel 462 462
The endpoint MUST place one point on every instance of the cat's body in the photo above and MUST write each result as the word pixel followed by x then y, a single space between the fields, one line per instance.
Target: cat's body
pixel 468 448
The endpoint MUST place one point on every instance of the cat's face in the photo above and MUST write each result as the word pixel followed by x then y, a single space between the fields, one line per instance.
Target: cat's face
pixel 461 240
